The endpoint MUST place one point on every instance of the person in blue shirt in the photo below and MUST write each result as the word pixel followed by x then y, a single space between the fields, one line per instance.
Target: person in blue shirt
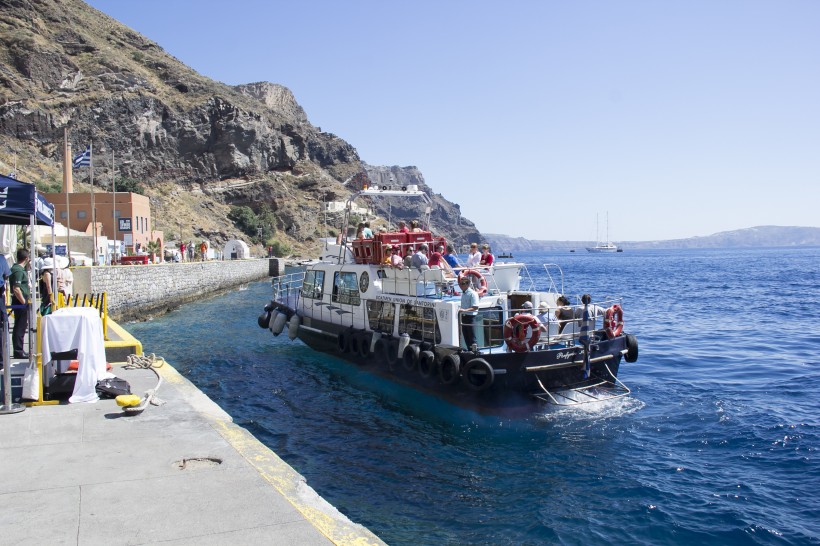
pixel 450 257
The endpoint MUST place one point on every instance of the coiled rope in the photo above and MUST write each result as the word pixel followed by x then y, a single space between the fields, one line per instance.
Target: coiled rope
pixel 151 362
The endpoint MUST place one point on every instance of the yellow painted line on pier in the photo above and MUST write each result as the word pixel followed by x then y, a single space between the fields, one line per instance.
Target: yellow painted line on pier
pixel 290 484
pixel 120 337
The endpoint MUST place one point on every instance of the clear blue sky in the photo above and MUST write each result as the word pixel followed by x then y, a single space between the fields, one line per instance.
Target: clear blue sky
pixel 678 118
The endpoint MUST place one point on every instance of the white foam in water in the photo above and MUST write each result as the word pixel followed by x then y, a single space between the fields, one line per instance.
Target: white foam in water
pixel 604 409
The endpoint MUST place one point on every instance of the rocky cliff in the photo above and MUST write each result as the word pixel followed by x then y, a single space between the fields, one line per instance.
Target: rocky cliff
pixel 196 145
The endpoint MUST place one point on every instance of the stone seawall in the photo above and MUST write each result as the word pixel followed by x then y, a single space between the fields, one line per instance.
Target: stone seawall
pixel 138 290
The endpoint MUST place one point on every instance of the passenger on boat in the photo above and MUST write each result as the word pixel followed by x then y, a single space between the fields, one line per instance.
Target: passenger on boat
pixel 368 233
pixel 420 257
pixel 564 314
pixel 403 227
pixel 450 257
pixel 468 312
pixel 474 257
pixel 395 258
pixel 414 227
pixel 526 308
pixel 387 250
pixel 360 231
pixel 437 262
pixel 486 259
pixel 544 316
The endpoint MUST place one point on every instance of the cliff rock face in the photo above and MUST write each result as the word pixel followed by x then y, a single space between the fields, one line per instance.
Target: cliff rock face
pixel 445 217
pixel 65 65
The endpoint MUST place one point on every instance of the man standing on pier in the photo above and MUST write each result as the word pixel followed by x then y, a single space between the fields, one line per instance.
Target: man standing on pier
pixel 20 292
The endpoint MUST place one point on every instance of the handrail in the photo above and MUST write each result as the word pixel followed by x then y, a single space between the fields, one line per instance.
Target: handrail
pixel 98 301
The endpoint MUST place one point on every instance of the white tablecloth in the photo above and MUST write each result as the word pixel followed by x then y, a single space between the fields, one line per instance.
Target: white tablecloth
pixel 77 328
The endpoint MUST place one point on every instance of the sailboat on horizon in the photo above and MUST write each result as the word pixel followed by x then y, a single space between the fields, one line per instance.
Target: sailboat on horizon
pixel 599 245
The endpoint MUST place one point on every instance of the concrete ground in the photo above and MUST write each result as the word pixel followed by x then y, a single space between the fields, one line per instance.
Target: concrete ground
pixel 180 473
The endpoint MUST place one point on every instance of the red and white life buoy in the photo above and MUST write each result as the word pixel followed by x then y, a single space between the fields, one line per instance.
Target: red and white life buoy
pixel 614 321
pixel 478 278
pixel 521 332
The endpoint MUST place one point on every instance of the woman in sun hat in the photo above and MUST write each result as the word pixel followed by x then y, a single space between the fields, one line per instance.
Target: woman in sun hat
pixel 46 286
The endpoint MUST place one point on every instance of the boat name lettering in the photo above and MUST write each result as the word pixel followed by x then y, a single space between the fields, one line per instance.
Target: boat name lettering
pixel 406 301
pixel 568 354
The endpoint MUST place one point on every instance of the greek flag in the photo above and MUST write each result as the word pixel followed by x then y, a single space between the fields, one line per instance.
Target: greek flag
pixel 84 159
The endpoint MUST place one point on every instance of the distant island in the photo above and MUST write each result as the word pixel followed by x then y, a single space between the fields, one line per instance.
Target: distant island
pixel 759 236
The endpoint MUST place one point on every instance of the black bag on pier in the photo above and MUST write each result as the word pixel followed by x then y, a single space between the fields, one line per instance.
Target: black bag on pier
pixel 113 387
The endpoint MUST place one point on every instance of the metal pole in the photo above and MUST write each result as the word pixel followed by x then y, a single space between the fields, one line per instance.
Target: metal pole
pixel 93 209
pixel 116 218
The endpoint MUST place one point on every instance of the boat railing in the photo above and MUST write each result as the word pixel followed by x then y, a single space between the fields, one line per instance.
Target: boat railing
pixel 565 326
pixel 286 288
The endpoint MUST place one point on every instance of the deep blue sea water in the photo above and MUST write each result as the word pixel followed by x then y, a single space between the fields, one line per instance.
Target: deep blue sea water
pixel 718 443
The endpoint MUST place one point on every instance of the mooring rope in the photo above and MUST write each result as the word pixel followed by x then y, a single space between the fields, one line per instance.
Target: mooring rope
pixel 151 362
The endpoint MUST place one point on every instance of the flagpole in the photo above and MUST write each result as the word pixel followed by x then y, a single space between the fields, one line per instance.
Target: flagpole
pixel 93 210
pixel 67 188
pixel 116 218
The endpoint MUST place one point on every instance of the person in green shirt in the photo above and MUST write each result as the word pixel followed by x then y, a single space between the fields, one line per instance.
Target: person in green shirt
pixel 20 293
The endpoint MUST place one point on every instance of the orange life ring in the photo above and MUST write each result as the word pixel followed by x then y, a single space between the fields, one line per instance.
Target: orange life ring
pixel 521 332
pixel 614 321
pixel 482 282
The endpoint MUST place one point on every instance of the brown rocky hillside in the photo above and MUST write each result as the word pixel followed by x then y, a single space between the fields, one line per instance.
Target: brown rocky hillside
pixel 197 146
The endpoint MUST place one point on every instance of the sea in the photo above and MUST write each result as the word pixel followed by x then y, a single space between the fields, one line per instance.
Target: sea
pixel 717 443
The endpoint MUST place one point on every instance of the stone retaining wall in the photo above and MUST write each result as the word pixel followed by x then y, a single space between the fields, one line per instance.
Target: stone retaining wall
pixel 138 290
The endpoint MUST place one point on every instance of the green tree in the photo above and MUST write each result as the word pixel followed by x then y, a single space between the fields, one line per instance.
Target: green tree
pixel 244 219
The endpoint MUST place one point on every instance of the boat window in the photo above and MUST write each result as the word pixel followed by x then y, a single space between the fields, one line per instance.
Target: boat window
pixel 491 332
pixel 380 314
pixel 419 322
pixel 313 283
pixel 346 288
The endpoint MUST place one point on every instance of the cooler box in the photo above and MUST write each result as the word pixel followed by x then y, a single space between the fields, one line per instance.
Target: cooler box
pixel 18 369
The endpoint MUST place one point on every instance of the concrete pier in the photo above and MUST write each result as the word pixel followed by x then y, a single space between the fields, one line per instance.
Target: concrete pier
pixel 179 473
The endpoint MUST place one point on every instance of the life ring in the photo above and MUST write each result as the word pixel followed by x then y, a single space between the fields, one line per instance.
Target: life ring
pixel 427 364
pixel 479 375
pixel 478 277
pixel 522 332
pixel 614 321
pixel 410 357
pixel 450 369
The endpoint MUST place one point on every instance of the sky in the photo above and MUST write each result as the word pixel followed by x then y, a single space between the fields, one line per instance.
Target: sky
pixel 673 119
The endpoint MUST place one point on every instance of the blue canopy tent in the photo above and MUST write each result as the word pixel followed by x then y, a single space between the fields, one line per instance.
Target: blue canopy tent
pixel 22 205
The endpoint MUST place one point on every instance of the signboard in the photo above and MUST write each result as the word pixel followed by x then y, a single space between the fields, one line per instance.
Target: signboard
pixel 125 224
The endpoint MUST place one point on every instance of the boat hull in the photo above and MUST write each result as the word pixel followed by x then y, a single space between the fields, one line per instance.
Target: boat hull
pixel 516 377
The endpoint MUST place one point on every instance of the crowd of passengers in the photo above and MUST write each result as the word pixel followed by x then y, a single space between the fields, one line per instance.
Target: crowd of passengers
pixel 444 257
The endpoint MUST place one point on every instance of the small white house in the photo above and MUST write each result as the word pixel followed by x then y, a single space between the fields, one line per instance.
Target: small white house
pixel 236 250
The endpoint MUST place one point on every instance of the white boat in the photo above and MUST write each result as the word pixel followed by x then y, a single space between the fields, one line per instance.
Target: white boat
pixel 601 246
pixel 405 324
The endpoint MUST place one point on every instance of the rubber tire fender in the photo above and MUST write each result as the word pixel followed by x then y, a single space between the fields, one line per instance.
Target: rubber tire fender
pixel 364 344
pixel 355 338
pixel 427 364
pixel 450 369
pixel 343 341
pixel 477 364
pixel 382 348
pixel 410 357
pixel 392 353
pixel 631 348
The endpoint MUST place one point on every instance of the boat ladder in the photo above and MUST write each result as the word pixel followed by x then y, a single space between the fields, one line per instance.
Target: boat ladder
pixel 590 390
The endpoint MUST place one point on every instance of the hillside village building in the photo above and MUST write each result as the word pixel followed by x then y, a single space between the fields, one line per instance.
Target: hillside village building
pixel 120 216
